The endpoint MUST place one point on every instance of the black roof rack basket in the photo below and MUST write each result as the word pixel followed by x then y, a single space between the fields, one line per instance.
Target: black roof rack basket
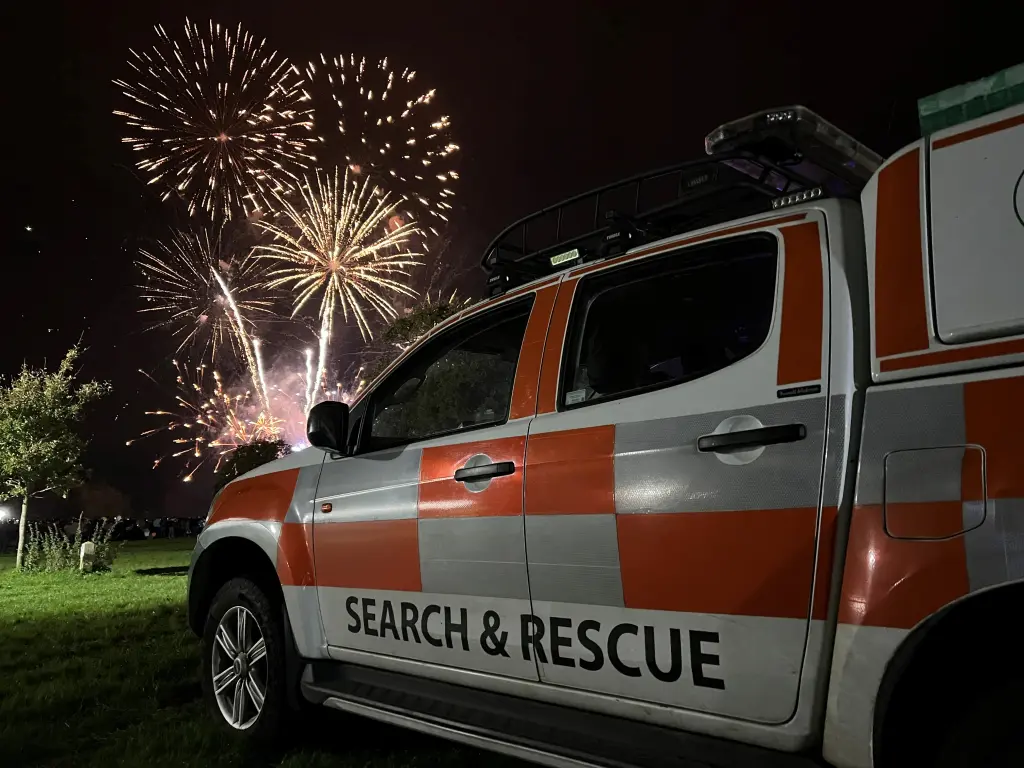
pixel 628 213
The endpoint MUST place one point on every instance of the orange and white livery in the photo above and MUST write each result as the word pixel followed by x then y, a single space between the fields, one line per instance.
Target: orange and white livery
pixel 734 474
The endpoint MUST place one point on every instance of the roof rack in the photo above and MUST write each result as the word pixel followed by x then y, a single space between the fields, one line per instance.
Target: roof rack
pixel 756 164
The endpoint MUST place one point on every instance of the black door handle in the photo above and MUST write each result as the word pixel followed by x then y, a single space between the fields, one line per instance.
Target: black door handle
pixel 485 471
pixel 751 438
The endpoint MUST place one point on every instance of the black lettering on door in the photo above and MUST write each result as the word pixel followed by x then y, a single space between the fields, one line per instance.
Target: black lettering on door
pixel 410 614
pixel 594 664
pixel 558 642
pixel 613 648
pixel 368 616
pixel 350 605
pixel 460 628
pixel 429 611
pixel 532 632
pixel 698 659
pixel 675 667
pixel 387 620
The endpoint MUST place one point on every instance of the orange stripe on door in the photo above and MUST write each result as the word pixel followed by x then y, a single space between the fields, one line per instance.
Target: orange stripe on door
pixel 891 582
pixel 295 555
pixel 548 394
pixel 751 563
pixel 571 472
pixel 994 411
pixel 802 306
pixel 957 355
pixel 441 495
pixel 378 554
pixel 264 497
pixel 826 557
pixel 901 322
pixel 524 389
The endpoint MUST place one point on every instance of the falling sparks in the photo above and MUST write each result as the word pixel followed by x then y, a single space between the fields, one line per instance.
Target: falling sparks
pixel 208 422
pixel 193 284
pixel 335 248
pixel 217 119
pixel 389 128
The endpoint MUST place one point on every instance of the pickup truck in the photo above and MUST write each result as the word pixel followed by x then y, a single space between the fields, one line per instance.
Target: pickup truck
pixel 727 470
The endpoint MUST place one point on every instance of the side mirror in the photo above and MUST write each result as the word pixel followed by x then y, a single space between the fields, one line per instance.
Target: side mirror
pixel 327 426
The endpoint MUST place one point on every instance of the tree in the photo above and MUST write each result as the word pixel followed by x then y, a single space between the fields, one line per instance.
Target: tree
pixel 40 445
pixel 246 458
pixel 99 499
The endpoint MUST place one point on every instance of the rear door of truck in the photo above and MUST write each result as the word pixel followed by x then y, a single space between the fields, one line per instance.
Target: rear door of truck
pixel 673 472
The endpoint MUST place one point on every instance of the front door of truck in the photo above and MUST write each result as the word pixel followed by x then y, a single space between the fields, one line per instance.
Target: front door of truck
pixel 419 542
pixel 673 472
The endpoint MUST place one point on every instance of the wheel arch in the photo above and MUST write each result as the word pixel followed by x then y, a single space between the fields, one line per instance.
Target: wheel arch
pixel 230 551
pixel 911 686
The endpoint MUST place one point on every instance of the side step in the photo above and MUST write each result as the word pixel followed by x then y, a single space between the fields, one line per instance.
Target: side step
pixel 530 730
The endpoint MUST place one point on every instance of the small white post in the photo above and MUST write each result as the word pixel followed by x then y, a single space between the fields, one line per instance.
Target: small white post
pixel 86 557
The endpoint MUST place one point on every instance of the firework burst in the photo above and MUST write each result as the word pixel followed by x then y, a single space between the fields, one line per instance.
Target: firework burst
pixel 194 282
pixel 208 422
pixel 390 128
pixel 217 118
pixel 340 247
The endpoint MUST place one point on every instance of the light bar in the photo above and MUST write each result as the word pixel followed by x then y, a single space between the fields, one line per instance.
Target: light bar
pixel 796 197
pixel 799 131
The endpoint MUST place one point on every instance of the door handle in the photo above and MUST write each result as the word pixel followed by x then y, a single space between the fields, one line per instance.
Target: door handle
pixel 751 438
pixel 485 471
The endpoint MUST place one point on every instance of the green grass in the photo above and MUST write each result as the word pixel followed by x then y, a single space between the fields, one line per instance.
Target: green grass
pixel 101 670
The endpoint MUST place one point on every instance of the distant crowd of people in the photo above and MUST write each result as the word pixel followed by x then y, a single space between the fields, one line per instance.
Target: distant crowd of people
pixel 125 529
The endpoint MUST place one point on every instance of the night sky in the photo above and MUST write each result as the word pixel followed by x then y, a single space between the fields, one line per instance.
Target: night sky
pixel 546 99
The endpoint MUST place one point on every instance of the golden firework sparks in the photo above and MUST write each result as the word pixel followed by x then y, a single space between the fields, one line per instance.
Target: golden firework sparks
pixel 217 119
pixel 337 247
pixel 193 283
pixel 389 127
pixel 208 422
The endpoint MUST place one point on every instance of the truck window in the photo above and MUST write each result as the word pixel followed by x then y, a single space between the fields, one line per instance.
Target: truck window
pixel 664 321
pixel 461 380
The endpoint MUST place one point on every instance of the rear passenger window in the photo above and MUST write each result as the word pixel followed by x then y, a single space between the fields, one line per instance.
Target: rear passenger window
pixel 667 320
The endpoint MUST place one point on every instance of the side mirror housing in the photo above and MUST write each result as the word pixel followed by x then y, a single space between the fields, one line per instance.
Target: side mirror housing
pixel 327 426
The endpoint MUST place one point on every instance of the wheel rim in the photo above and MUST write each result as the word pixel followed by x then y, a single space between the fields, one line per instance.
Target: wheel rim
pixel 239 667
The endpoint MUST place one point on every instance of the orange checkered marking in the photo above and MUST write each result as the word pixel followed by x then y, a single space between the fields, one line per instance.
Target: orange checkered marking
pixel 440 495
pixel 527 381
pixel 264 497
pixel 571 472
pixel 295 555
pixel 379 554
pixel 802 306
pixel 744 563
pixel 891 582
pixel 901 321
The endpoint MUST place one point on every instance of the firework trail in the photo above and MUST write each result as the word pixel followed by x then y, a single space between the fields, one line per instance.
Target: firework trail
pixel 387 127
pixel 250 346
pixel 209 423
pixel 217 119
pixel 183 292
pixel 339 247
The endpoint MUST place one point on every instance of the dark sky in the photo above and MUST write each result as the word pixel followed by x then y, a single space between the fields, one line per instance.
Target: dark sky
pixel 546 98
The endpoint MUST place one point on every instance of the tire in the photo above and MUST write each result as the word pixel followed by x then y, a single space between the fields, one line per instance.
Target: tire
pixel 988 732
pixel 250 670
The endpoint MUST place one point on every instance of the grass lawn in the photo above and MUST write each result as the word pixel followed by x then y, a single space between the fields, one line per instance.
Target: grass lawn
pixel 101 670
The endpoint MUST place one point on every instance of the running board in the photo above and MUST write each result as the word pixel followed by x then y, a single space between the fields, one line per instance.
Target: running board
pixel 455 734
pixel 538 732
